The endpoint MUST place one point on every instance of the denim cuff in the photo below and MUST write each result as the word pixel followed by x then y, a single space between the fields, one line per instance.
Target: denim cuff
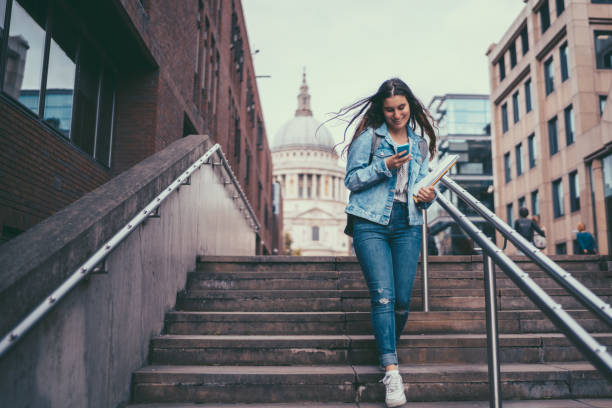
pixel 388 359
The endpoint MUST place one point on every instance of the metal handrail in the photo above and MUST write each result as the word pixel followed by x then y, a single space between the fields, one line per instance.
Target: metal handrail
pixel 595 352
pixel 583 294
pixel 100 255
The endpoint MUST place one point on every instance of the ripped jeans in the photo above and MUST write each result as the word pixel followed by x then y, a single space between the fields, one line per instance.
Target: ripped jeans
pixel 388 255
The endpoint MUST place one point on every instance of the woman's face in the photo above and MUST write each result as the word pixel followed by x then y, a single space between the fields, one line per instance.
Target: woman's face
pixel 397 112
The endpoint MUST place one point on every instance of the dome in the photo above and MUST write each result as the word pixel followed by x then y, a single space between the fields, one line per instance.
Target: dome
pixel 303 130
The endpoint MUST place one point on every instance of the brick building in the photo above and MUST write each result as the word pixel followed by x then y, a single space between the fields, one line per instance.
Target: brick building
pixel 88 89
pixel 550 77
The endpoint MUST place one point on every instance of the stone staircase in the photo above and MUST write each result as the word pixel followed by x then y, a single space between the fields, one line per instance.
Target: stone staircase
pixel 294 331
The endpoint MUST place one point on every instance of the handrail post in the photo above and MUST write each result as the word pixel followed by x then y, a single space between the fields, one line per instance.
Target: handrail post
pixel 424 260
pixel 492 332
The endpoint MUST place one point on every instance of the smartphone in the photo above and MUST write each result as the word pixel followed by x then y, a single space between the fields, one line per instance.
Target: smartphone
pixel 403 148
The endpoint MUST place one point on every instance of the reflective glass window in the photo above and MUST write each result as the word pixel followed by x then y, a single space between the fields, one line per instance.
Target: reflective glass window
pixel 574 191
pixel 84 131
pixel 512 52
pixel 504 114
pixel 561 248
pixel 557 190
pixel 603 49
pixel 568 114
pixel 524 40
pixel 535 202
pixel 60 78
pixel 521 202
pixel 560 7
pixel 106 118
pixel 602 103
pixel 544 13
pixel 502 68
pixel 507 168
pixel 531 147
pixel 518 150
pixel 528 96
pixel 515 107
pixel 549 76
pixel 26 44
pixel 564 58
pixel 509 215
pixel 553 142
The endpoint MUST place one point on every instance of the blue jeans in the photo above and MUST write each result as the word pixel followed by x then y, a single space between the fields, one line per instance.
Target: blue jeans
pixel 388 255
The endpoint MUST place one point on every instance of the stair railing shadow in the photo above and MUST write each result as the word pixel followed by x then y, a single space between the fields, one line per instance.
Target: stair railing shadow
pixel 95 264
pixel 595 352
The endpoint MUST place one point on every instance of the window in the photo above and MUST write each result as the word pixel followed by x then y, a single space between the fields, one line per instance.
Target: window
pixel 518 151
pixel 560 7
pixel 603 49
pixel 535 202
pixel 73 95
pixel 568 115
pixel 561 248
pixel 528 96
pixel 524 40
pixel 504 114
pixel 602 103
pixel 574 191
pixel 557 190
pixel 502 68
pixel 576 247
pixel 553 143
pixel 512 52
pixel 549 76
pixel 515 107
pixel 300 185
pixel 315 233
pixel 531 147
pixel 508 170
pixel 509 214
pixel 602 1
pixel 521 202
pixel 563 58
pixel 544 13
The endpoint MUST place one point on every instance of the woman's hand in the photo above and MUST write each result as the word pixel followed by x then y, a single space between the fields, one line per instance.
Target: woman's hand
pixel 396 161
pixel 426 194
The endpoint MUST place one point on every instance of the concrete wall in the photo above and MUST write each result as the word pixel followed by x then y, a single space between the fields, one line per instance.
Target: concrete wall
pixel 83 352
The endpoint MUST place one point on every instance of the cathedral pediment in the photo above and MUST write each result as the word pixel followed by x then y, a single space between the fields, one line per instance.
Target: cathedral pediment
pixel 315 214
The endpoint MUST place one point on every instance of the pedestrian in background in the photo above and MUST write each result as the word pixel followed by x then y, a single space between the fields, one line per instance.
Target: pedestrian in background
pixel 585 239
pixel 526 226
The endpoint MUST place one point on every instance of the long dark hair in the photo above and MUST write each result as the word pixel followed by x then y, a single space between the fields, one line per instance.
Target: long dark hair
pixel 374 117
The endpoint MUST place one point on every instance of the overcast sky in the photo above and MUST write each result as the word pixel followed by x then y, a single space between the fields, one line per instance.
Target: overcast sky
pixel 350 46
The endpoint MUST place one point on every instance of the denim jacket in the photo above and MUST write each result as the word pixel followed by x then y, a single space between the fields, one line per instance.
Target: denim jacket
pixel 372 185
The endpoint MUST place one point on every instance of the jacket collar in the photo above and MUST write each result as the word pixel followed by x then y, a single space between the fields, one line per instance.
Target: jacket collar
pixel 383 131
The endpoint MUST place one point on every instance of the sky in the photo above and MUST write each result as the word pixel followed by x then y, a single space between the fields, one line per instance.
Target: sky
pixel 349 47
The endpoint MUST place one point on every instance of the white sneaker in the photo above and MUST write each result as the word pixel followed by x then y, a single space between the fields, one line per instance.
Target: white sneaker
pixel 394 387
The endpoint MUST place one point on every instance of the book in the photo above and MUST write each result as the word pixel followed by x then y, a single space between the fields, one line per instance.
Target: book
pixel 432 178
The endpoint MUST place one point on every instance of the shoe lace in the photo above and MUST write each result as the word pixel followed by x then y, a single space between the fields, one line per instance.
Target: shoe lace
pixel 392 382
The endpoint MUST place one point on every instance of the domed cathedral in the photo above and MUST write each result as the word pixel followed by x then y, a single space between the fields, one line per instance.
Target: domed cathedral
pixel 312 183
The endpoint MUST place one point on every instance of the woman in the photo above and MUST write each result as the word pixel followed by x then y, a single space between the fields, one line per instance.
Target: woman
pixel 387 218
pixel 585 240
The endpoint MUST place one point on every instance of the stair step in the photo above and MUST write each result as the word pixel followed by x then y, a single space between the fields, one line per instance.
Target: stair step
pixel 442 322
pixel 549 403
pixel 431 382
pixel 359 349
pixel 358 300
pixel 246 280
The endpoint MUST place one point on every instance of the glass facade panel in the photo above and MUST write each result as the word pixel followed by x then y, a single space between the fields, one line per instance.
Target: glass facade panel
pixel 553 142
pixel 549 76
pixel 26 44
pixel 531 146
pixel 568 115
pixel 465 117
pixel 60 79
pixel 557 192
pixel 603 49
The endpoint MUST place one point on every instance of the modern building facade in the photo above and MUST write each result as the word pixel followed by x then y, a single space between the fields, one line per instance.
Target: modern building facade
pixel 550 77
pixel 463 129
pixel 80 103
pixel 312 183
